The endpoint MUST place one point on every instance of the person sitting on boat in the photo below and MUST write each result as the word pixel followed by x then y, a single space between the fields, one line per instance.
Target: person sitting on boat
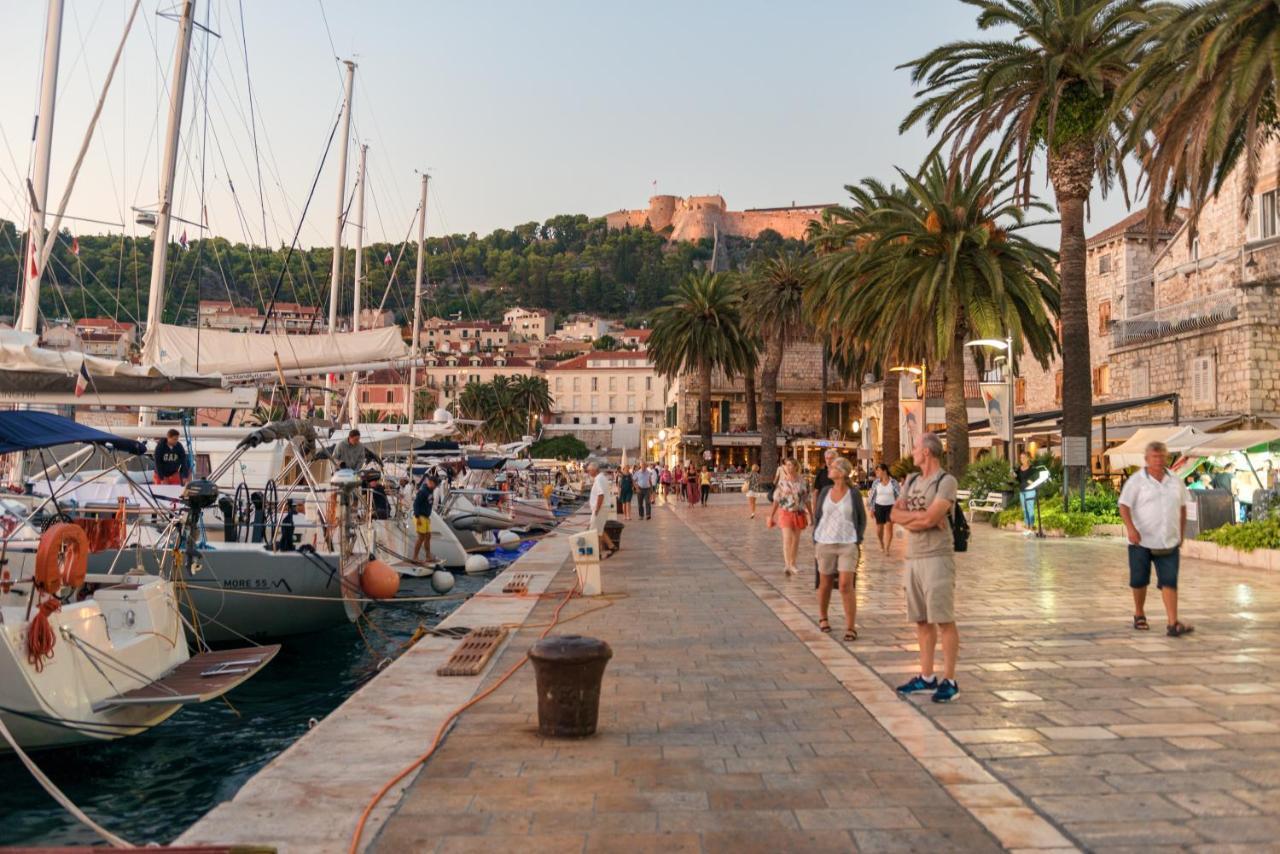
pixel 173 468
pixel 381 507
pixel 423 502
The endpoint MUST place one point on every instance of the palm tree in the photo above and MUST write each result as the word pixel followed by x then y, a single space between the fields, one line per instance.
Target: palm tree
pixel 938 268
pixel 1204 96
pixel 496 404
pixel 774 311
pixel 1052 85
pixel 532 395
pixel 845 229
pixel 697 330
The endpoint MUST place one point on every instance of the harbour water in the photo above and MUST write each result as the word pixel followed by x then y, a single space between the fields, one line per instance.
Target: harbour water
pixel 151 787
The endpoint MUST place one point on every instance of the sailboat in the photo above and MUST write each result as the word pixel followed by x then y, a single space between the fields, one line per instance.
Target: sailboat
pixel 86 657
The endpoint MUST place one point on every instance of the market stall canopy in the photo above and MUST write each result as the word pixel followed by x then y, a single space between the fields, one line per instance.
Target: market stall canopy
pixel 1133 450
pixel 30 430
pixel 1252 441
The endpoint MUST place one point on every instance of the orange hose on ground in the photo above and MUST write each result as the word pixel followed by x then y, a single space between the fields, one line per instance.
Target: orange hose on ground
pixel 444 727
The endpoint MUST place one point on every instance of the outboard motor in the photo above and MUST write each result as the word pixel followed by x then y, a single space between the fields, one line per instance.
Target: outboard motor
pixel 197 495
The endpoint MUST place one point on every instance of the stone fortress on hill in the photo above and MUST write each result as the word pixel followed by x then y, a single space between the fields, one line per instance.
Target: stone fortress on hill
pixel 696 217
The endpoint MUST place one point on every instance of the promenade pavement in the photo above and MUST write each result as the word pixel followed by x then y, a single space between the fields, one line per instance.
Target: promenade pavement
pixel 1124 740
pixel 729 722
pixel 719 731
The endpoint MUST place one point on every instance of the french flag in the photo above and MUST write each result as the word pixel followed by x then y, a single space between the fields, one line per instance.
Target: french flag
pixel 82 380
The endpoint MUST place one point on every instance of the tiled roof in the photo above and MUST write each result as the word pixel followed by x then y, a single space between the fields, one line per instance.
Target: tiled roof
pixel 579 363
pixel 103 323
pixel 1135 224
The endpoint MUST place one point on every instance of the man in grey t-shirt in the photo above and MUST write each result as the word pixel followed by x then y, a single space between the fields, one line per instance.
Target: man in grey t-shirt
pixel 924 509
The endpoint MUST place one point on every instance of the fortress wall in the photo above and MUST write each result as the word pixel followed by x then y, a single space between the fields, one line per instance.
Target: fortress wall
pixel 662 210
pixel 619 220
pixel 697 224
pixel 791 223
pixel 693 218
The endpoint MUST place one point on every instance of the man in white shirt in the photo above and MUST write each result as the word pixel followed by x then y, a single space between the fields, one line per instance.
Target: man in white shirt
pixel 644 480
pixel 1153 506
pixel 599 492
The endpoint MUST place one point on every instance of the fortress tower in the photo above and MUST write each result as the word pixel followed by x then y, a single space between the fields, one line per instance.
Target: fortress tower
pixel 698 217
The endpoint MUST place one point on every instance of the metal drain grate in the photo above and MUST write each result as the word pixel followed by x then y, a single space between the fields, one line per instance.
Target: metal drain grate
pixel 474 652
pixel 518 583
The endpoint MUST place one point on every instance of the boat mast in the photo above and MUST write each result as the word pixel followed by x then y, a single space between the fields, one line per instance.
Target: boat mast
pixel 164 214
pixel 417 299
pixel 359 268
pixel 336 272
pixel 358 272
pixel 39 186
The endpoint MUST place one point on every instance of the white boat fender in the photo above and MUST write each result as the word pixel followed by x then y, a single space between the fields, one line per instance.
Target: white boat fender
pixel 442 580
pixel 508 538
pixel 476 564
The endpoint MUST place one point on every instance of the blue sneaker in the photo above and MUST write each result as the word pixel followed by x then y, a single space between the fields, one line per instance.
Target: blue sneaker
pixel 918 683
pixel 947 689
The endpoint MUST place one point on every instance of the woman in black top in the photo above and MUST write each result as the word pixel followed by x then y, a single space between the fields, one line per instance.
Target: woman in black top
pixel 1026 476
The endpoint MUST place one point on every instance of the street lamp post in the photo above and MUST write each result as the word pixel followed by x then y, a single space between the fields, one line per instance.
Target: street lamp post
pixel 1006 345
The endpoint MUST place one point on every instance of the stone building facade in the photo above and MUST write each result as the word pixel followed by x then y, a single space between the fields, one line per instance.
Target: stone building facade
pixel 799 398
pixel 699 217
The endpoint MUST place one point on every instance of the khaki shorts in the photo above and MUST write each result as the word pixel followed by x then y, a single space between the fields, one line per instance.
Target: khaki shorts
pixel 598 520
pixel 836 557
pixel 931 589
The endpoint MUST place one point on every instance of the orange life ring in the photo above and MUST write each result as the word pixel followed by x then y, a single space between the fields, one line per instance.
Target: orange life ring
pixel 62 558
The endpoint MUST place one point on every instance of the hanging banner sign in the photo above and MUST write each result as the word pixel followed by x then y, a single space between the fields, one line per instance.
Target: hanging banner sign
pixel 910 424
pixel 995 397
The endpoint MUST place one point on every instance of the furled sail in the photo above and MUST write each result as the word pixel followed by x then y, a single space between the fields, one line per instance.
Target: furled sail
pixel 184 350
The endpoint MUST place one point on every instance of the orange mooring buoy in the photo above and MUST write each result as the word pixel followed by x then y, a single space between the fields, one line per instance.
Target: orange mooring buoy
pixel 379 581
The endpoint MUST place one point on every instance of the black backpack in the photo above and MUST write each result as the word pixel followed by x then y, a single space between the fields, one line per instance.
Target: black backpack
pixel 959 529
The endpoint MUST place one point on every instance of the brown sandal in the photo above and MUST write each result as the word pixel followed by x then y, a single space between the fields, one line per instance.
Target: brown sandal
pixel 1140 623
pixel 824 625
pixel 1177 630
pixel 850 635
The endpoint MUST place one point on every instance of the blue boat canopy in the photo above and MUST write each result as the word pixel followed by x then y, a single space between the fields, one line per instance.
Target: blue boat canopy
pixel 29 430
pixel 485 463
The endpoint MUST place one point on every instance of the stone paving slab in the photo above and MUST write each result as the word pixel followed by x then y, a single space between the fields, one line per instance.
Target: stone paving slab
pixel 309 798
pixel 720 730
pixel 1124 740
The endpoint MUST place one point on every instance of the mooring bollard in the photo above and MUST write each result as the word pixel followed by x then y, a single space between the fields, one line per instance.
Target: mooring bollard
pixel 569 670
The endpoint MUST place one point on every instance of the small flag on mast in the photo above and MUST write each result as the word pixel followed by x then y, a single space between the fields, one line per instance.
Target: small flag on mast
pixel 75 246
pixel 35 271
pixel 183 239
pixel 387 260
pixel 82 380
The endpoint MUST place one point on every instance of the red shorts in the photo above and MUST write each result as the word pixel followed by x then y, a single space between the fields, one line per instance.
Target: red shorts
pixel 797 519
pixel 174 479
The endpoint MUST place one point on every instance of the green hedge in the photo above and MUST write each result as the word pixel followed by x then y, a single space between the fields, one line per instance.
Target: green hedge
pixel 1073 524
pixel 1246 537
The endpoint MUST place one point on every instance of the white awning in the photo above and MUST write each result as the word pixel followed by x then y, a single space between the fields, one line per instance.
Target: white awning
pixel 1133 450
pixel 1233 441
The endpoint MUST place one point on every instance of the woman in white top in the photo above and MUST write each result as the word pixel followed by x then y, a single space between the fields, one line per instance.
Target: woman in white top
pixel 838 524
pixel 881 496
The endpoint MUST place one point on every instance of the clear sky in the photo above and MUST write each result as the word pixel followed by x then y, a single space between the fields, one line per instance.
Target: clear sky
pixel 520 110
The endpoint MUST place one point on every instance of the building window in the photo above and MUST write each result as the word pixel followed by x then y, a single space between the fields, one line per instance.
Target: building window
pixel 1057 387
pixel 648 383
pixel 577 420
pixel 631 402
pixel 576 384
pixel 612 420
pixel 631 419
pixel 1204 380
pixel 1195 248
pixel 595 383
pixel 559 384
pixel 595 403
pixel 364 397
pixel 1102 381
pixel 391 396
pixel 1267 215
pixel 594 419
pixel 631 383
pixel 612 403
pixel 1104 263
pixel 1140 381
pixel 1020 391
pixel 613 383
pixel 1104 317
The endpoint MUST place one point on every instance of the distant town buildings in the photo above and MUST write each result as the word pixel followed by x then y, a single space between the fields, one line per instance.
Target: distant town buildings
pixel 102 336
pixel 448 372
pixel 529 324
pixel 584 327
pixel 699 217
pixel 606 398
pixel 463 336
pixel 289 317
